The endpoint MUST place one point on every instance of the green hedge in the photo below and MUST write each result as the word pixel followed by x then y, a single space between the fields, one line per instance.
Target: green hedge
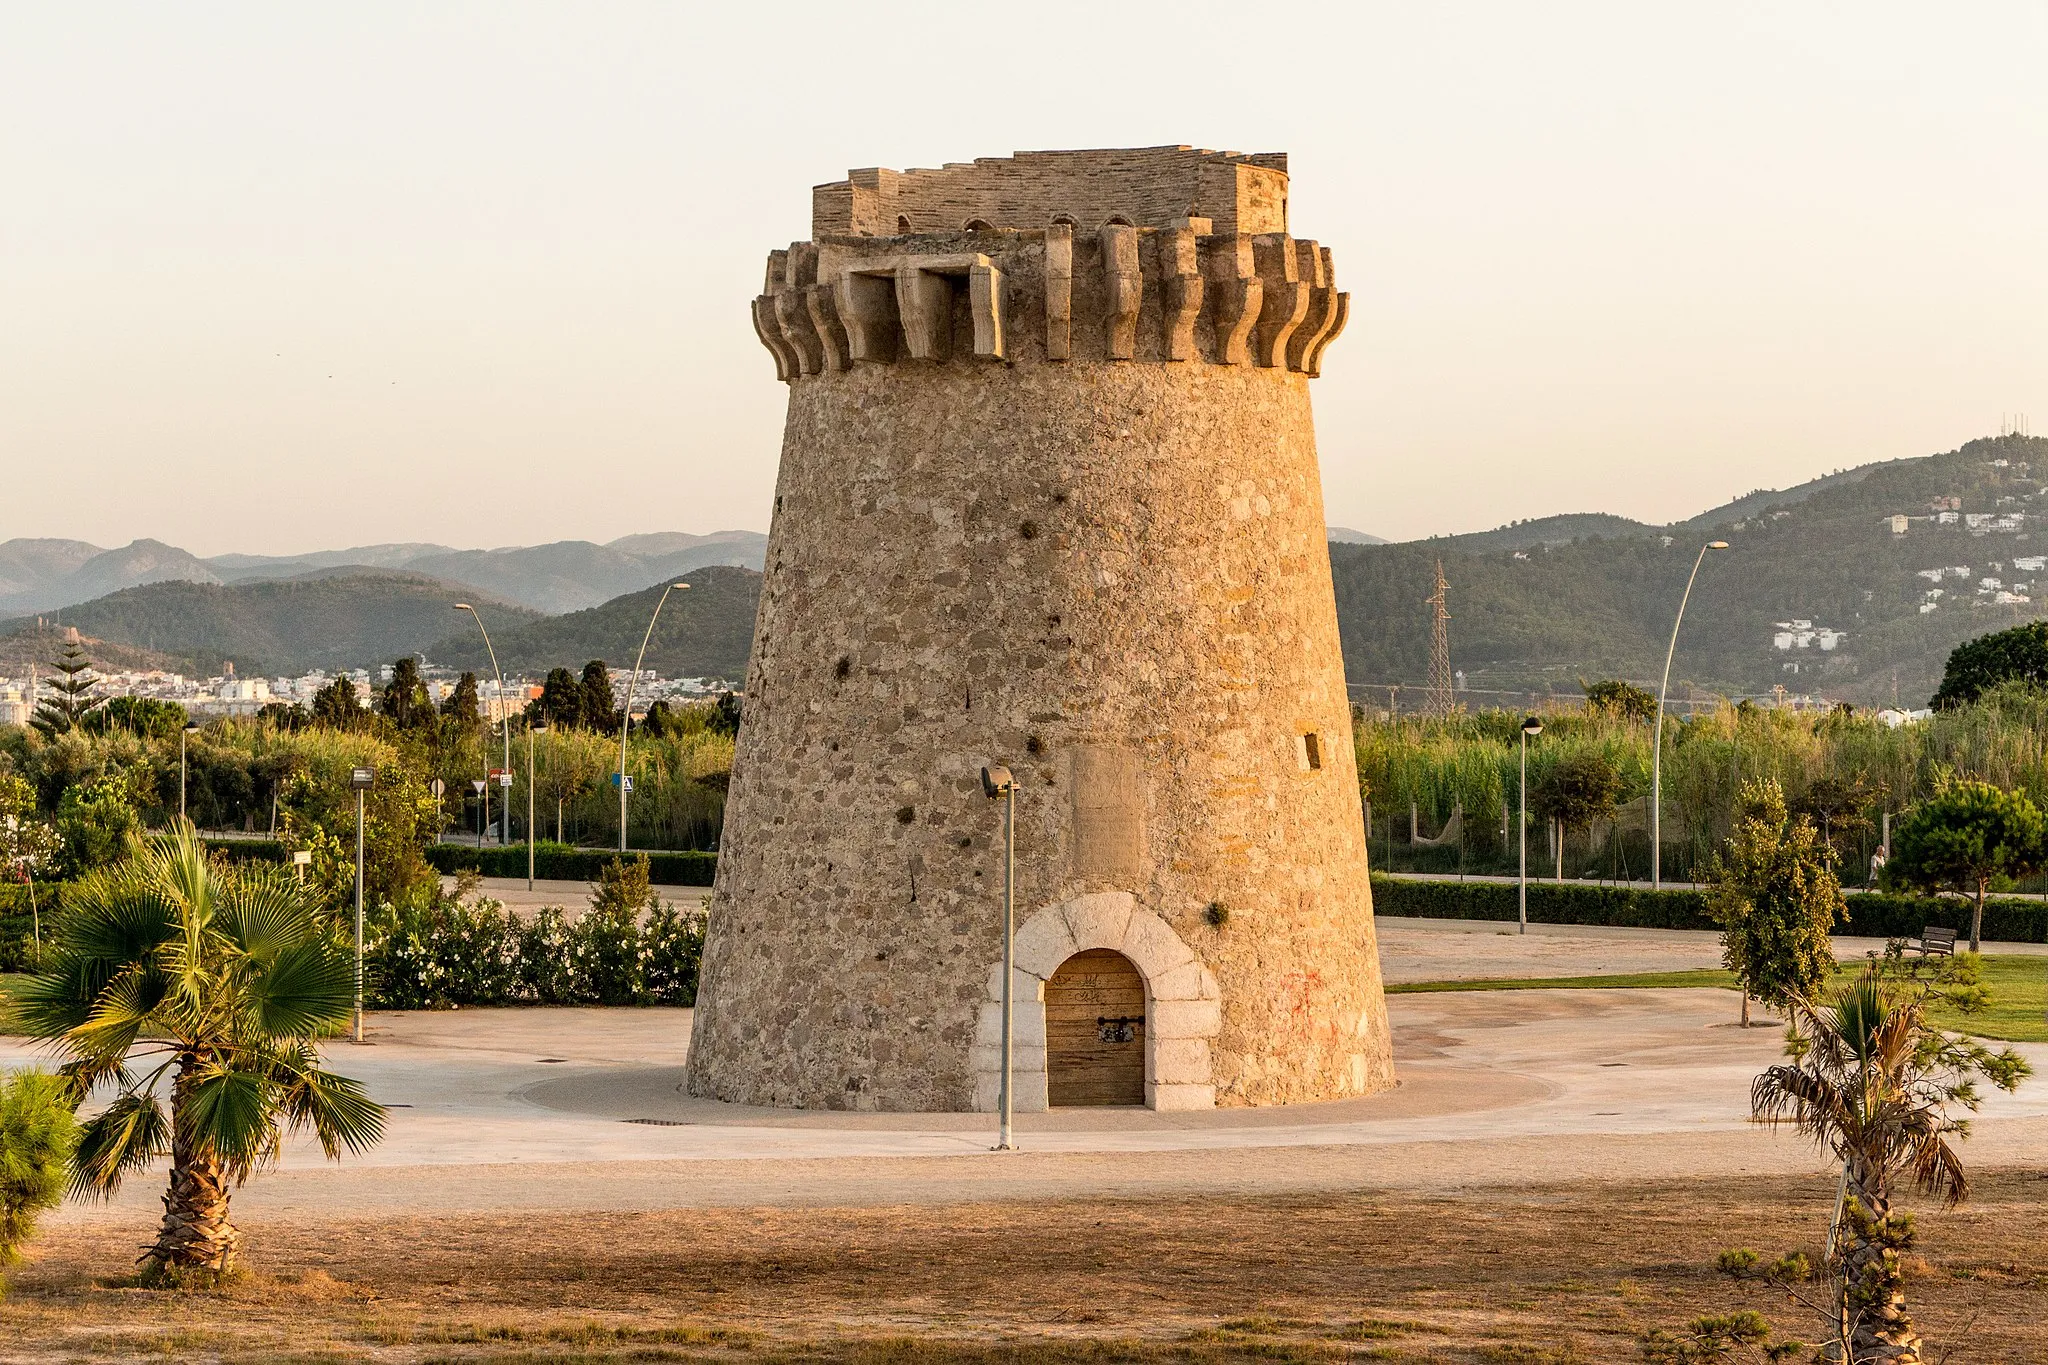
pixel 2006 919
pixel 560 862
pixel 247 850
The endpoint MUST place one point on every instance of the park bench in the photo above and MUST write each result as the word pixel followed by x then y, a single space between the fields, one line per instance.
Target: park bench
pixel 1934 942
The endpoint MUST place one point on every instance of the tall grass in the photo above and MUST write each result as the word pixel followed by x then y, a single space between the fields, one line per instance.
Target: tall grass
pixel 1468 762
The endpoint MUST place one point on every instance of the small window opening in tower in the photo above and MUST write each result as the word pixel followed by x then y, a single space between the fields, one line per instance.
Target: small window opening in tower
pixel 1310 752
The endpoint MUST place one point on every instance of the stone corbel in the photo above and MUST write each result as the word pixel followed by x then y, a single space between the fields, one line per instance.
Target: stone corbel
pixel 1286 297
pixel 1123 289
pixel 925 303
pixel 1237 295
pixel 770 332
pixel 1180 261
pixel 1312 360
pixel 867 310
pixel 825 317
pixel 792 312
pixel 1317 273
pixel 1059 291
pixel 985 300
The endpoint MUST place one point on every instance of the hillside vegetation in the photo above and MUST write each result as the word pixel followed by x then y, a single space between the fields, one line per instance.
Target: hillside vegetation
pixel 341 619
pixel 706 631
pixel 1602 605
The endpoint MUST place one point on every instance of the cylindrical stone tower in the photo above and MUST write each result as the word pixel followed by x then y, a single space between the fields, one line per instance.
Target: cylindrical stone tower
pixel 1048 498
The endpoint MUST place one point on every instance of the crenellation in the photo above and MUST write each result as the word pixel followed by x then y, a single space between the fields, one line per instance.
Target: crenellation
pixel 1146 186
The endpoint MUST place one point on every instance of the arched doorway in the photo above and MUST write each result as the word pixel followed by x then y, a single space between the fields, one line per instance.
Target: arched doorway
pixel 1095 1031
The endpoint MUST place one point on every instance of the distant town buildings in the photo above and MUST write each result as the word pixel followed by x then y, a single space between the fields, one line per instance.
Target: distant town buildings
pixel 229 695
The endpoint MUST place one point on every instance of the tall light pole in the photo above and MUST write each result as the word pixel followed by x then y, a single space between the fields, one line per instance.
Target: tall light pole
pixel 997 782
pixel 1657 736
pixel 189 730
pixel 626 713
pixel 1530 727
pixel 504 720
pixel 361 779
pixel 537 728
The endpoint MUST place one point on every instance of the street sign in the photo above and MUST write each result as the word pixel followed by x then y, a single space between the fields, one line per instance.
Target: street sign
pixel 629 781
pixel 504 779
pixel 478 783
pixel 362 779
pixel 437 786
pixel 302 858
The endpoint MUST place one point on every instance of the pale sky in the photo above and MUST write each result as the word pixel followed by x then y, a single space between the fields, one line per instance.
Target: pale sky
pixel 286 277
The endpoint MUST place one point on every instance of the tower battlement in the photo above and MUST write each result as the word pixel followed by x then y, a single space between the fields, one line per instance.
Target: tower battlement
pixel 1055 256
pixel 1143 186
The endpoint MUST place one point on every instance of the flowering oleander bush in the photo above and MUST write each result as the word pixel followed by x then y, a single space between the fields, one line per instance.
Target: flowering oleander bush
pixel 630 948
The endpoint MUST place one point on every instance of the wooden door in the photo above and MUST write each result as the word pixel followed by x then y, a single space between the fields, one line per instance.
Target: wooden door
pixel 1095 1031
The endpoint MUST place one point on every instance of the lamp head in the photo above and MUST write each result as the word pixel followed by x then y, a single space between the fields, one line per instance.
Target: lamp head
pixel 539 727
pixel 996 781
pixel 464 606
pixel 1717 545
pixel 679 586
pixel 1531 726
pixel 191 727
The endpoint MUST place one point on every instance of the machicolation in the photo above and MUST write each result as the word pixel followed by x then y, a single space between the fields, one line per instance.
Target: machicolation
pixel 1048 498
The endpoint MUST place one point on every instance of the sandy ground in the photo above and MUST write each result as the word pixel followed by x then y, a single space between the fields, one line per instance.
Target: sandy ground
pixel 1552 1177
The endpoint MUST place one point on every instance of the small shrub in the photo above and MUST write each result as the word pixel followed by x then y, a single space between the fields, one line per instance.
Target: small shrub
pixel 37 1134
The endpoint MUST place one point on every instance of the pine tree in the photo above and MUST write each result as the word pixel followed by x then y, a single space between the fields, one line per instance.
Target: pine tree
pixel 462 704
pixel 600 712
pixel 73 691
pixel 404 698
pixel 336 705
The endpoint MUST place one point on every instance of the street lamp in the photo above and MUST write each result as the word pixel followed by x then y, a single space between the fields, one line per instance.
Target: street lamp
pixel 191 728
pixel 537 728
pixel 626 715
pixel 504 720
pixel 1531 727
pixel 997 782
pixel 1657 737
pixel 361 779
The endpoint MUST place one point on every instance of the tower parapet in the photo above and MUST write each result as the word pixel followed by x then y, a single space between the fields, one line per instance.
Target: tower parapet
pixel 1162 254
pixel 1048 498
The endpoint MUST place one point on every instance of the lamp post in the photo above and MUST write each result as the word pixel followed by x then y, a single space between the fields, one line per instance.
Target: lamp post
pixel 504 721
pixel 1530 727
pixel 1657 736
pixel 361 779
pixel 626 713
pixel 537 728
pixel 189 730
pixel 996 782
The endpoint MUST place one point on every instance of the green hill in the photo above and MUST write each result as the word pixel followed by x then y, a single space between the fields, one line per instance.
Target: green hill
pixel 706 631
pixel 343 618
pixel 1823 553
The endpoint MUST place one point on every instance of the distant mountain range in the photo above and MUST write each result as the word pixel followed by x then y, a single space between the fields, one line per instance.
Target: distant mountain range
pixel 46 576
pixel 1821 592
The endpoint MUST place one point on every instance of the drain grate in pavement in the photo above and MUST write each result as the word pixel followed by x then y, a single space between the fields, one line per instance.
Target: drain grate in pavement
pixel 660 1123
pixel 551 1059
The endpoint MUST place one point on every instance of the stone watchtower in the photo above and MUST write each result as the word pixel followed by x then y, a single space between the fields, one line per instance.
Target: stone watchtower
pixel 1048 498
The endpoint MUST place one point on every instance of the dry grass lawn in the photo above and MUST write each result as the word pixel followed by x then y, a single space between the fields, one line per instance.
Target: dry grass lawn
pixel 1558 1274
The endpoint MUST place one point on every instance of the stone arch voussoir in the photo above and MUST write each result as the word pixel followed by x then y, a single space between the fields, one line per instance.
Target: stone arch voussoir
pixel 1183 1007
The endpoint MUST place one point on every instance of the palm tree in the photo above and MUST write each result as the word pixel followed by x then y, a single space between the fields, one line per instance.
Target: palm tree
pixel 1873 1081
pixel 224 976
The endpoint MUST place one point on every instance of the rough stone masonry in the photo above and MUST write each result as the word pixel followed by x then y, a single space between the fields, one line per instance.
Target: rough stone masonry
pixel 1048 498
